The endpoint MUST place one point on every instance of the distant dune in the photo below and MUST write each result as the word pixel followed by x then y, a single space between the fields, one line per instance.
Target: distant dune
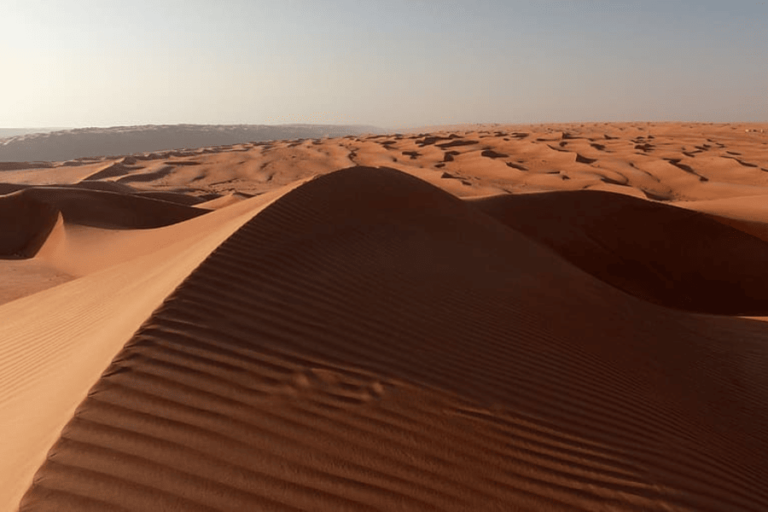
pixel 535 318
pixel 12 132
pixel 94 142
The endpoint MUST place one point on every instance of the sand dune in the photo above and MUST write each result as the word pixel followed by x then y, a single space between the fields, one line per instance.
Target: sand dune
pixel 49 223
pixel 223 201
pixel 748 214
pixel 109 209
pixel 644 160
pixel 666 255
pixel 343 390
pixel 25 223
pixel 55 344
pixel 526 318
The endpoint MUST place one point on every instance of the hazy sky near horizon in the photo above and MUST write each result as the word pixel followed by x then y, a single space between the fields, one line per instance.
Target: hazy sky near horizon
pixel 388 63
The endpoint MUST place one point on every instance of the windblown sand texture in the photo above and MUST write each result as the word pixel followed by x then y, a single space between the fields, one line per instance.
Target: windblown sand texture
pixel 494 318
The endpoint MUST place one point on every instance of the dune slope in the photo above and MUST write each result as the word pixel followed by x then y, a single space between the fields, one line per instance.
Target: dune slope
pixel 112 210
pixel 55 344
pixel 41 223
pixel 369 342
pixel 25 223
pixel 667 255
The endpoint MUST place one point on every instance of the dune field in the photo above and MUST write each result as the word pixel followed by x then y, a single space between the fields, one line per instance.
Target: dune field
pixel 490 317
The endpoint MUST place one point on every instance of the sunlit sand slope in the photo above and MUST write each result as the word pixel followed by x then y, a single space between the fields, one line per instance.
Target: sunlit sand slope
pixel 369 342
pixel 55 344
pixel 43 223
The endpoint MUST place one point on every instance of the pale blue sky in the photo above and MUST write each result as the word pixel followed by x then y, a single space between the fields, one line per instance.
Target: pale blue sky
pixel 390 63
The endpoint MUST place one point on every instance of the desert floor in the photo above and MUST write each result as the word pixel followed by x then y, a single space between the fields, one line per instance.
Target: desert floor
pixel 550 317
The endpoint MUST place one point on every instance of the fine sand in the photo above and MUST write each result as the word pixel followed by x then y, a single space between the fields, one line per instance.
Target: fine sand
pixel 559 317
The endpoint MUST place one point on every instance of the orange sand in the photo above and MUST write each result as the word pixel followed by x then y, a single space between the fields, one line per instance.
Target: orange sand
pixel 493 318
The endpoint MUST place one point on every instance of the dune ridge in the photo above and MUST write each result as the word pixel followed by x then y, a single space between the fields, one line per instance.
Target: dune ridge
pixel 368 341
pixel 54 344
pixel 44 240
pixel 100 208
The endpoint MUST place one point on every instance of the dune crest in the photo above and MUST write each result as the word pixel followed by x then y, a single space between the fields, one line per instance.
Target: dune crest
pixel 55 344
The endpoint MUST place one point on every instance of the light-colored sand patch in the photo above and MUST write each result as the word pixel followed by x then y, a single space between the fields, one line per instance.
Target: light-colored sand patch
pixel 55 344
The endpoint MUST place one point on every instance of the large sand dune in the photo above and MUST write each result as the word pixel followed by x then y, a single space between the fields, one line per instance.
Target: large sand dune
pixel 424 330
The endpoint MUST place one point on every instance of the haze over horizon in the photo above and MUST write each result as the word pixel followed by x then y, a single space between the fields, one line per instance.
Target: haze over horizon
pixel 395 64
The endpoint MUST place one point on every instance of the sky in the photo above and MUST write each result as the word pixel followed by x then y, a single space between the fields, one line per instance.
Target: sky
pixel 385 63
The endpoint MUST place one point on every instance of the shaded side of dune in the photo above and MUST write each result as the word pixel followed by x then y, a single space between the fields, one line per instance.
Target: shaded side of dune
pixel 369 342
pixel 28 214
pixel 10 188
pixel 25 223
pixel 754 228
pixel 100 208
pixel 664 254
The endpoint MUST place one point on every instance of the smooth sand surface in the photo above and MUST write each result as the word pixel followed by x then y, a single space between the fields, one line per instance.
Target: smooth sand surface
pixel 492 318
pixel 670 256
